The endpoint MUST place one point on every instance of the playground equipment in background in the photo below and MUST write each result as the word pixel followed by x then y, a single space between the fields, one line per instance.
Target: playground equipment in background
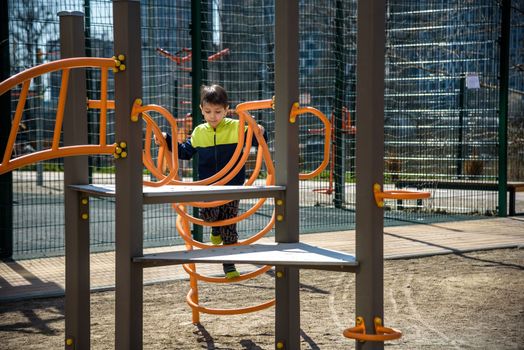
pixel 347 129
pixel 184 55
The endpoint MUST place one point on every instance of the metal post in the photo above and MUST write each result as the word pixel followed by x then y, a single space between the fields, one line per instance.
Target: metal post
pixel 287 313
pixel 196 82
pixel 92 126
pixel 77 306
pixel 128 221
pixel 462 112
pixel 503 105
pixel 38 114
pixel 6 180
pixel 339 146
pixel 370 163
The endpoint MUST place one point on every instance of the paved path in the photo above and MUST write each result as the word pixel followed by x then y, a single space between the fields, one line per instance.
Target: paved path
pixel 45 277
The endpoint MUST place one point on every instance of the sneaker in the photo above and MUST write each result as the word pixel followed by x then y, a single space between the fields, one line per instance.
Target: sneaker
pixel 231 271
pixel 232 274
pixel 216 240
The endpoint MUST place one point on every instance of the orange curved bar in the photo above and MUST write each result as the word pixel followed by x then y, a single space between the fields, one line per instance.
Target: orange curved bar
pixel 243 277
pixel 60 109
pixel 55 151
pixel 238 311
pixel 146 156
pixel 67 151
pixel 295 112
pixel 14 125
pixel 396 194
pixel 181 221
pixel 75 62
pixel 381 333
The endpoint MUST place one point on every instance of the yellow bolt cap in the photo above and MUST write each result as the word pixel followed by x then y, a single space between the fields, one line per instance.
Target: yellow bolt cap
pixel 280 345
pixel 69 341
pixel 115 70
pixel 85 216
pixel 123 144
pixel 124 154
pixel 138 101
pixel 121 57
pixel 117 63
pixel 118 150
pixel 122 67
pixel 280 202
pixel 280 274
pixel 280 217
pixel 84 201
pixel 134 118
pixel 116 155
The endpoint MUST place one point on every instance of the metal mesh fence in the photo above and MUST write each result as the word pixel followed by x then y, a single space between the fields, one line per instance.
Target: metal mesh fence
pixel 441 104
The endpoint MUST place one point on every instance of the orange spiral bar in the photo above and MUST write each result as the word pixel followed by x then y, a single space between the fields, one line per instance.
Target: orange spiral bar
pixel 238 311
pixel 381 333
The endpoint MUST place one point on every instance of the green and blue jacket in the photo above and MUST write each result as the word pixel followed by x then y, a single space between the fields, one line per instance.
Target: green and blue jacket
pixel 214 147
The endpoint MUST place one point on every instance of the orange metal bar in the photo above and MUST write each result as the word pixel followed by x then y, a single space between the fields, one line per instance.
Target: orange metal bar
pixel 218 55
pixel 24 78
pixel 396 194
pixel 97 104
pixel 295 112
pixel 186 236
pixel 59 153
pixel 247 276
pixel 16 123
pixel 76 62
pixel 238 311
pixel 60 109
pixel 103 109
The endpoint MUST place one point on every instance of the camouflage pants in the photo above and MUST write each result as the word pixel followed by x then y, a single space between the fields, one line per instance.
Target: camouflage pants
pixel 229 210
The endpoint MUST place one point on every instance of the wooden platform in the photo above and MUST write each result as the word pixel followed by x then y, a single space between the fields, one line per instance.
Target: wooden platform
pixel 298 255
pixel 44 277
pixel 180 194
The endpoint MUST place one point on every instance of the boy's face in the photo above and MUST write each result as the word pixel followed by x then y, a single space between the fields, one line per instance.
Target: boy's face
pixel 213 114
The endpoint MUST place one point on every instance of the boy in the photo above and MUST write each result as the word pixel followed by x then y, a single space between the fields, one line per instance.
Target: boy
pixel 215 142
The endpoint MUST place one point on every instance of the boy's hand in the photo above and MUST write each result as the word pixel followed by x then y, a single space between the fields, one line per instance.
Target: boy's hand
pixel 157 142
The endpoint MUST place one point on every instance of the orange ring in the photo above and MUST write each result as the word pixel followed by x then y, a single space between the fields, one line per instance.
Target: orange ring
pixel 382 333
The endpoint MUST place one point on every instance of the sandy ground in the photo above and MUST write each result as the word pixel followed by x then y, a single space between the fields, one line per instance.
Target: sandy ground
pixel 463 301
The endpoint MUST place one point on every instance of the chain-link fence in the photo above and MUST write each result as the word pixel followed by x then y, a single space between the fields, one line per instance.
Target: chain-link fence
pixel 441 104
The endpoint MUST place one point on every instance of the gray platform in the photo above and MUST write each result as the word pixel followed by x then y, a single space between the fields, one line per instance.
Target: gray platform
pixel 180 194
pixel 299 255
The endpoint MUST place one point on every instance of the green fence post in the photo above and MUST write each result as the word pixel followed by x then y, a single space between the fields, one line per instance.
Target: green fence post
pixel 462 113
pixel 339 146
pixel 503 105
pixel 6 180
pixel 196 82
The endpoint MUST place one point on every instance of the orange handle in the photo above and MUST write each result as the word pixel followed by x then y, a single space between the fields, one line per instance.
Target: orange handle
pixel 382 333
pixel 396 194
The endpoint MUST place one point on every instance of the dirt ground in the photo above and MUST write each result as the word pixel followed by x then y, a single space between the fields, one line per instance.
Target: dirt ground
pixel 463 301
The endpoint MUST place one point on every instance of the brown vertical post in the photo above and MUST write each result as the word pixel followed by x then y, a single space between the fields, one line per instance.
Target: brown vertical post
pixel 128 221
pixel 370 163
pixel 287 318
pixel 77 307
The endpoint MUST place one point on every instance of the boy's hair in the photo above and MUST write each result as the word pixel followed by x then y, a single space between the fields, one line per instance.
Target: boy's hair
pixel 213 94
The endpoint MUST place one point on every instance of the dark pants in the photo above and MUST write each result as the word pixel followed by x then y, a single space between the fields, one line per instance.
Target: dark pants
pixel 228 233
